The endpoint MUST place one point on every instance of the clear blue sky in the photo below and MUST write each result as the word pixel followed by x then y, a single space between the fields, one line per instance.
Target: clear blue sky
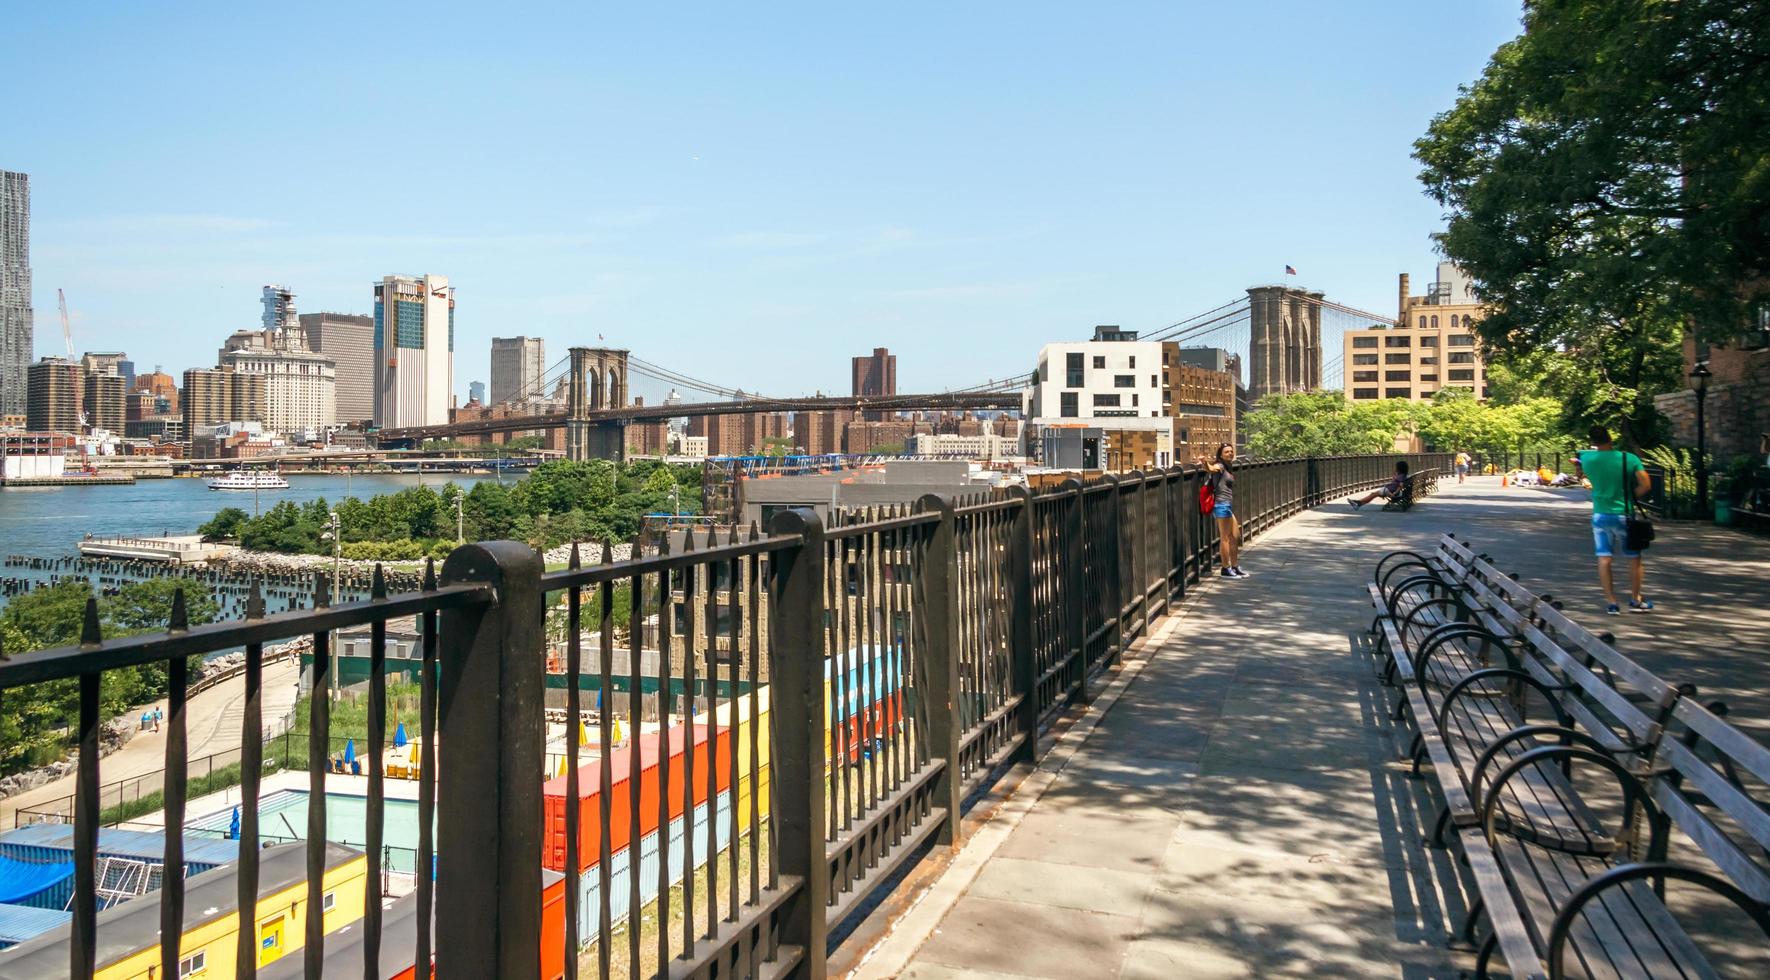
pixel 750 193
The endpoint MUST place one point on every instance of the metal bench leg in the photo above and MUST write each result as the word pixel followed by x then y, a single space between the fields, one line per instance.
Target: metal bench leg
pixel 1473 920
pixel 1400 711
pixel 1418 754
pixel 1486 954
pixel 1438 843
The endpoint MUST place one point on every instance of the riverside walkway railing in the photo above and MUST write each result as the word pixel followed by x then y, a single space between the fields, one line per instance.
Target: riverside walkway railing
pixel 819 707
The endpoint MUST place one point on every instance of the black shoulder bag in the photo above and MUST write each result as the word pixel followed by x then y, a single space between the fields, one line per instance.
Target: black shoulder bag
pixel 1637 529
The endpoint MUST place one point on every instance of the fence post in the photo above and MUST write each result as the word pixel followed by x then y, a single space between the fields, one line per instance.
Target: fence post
pixel 940 629
pixel 1180 506
pixel 1020 629
pixel 1114 536
pixel 1075 584
pixel 488 912
pixel 796 634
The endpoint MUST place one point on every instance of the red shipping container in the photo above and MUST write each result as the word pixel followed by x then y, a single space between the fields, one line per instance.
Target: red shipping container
pixel 590 795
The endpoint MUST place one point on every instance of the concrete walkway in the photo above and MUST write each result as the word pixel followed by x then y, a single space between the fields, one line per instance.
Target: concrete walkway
pixel 212 725
pixel 1233 806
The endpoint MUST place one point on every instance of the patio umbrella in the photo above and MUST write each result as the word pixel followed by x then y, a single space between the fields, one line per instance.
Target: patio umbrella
pixel 399 736
pixel 233 825
pixel 349 751
pixel 414 756
pixel 583 734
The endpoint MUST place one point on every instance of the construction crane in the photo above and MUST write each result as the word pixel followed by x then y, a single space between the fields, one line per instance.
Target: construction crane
pixel 67 334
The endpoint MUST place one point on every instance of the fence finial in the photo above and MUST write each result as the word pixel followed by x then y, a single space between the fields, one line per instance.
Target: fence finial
pixel 255 601
pixel 574 562
pixel 429 574
pixel 179 620
pixel 90 634
pixel 378 583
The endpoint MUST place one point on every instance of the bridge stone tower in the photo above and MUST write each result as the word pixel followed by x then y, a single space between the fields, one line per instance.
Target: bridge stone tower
pixel 1284 346
pixel 596 380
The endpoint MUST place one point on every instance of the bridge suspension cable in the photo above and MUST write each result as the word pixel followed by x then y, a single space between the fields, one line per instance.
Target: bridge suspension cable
pixel 658 372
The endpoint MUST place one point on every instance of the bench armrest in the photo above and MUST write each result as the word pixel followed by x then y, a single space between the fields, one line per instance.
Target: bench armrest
pixel 1566 733
pixel 1658 871
pixel 1445 634
pixel 1635 796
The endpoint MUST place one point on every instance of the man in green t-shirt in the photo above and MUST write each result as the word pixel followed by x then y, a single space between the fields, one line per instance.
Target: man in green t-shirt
pixel 1611 474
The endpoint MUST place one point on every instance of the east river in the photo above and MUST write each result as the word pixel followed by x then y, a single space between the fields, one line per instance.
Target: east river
pixel 41 526
pixel 47 522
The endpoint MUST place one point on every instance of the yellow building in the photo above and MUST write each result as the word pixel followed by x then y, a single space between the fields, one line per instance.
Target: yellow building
pixel 1432 345
pixel 129 932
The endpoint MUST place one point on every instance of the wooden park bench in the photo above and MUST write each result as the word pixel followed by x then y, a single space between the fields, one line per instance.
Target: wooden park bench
pixel 1506 695
pixel 1415 485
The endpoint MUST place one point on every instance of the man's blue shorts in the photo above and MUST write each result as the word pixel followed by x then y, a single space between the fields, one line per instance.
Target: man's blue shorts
pixel 1221 511
pixel 1610 536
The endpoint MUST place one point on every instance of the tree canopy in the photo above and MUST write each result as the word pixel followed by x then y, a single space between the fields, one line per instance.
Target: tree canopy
pixel 1607 182
pixel 32 717
pixel 1325 423
pixel 561 500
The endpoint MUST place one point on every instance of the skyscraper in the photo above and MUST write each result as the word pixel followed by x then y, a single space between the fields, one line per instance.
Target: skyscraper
pixel 102 402
pixel 279 308
pixel 349 340
pixel 300 387
pixel 56 387
pixel 216 395
pixel 414 350
pixel 476 391
pixel 15 291
pixel 875 375
pixel 518 365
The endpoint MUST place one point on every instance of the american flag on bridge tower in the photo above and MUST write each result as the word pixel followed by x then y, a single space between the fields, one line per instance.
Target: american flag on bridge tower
pixel 1290 271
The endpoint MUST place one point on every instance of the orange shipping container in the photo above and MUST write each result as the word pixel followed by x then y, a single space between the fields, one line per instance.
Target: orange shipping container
pixel 591 798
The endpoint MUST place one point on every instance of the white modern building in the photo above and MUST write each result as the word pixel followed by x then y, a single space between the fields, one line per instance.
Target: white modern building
pixel 1111 383
pixel 414 350
pixel 300 385
pixel 518 367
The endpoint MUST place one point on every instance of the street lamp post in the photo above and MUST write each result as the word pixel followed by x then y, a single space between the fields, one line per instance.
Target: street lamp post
pixel 1699 383
pixel 460 539
pixel 337 529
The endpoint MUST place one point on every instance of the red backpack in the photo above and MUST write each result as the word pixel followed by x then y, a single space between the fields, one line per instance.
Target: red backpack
pixel 1207 497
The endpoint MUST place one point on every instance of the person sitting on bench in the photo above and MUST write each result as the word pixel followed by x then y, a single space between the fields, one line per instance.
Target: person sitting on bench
pixel 1392 490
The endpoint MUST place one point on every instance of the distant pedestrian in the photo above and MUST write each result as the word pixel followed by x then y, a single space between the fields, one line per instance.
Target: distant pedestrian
pixel 1220 479
pixel 1462 466
pixel 1389 491
pixel 1612 475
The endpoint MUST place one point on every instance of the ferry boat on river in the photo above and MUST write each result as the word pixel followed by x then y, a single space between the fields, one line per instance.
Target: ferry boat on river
pixel 249 480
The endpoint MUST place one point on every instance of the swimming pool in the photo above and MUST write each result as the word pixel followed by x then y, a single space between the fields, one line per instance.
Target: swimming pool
pixel 282 816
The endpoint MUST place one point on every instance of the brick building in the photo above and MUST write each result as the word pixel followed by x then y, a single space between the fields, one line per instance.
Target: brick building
pixel 820 433
pixel 1736 410
pixel 1200 400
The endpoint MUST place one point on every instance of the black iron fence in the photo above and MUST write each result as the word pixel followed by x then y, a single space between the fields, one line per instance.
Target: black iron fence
pixel 820 705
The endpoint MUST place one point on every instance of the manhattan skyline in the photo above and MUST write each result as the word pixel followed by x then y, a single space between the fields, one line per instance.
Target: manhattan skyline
pixel 749 197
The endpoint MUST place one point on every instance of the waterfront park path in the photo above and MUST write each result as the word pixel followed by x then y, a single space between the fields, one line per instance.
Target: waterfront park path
pixel 212 724
pixel 1233 804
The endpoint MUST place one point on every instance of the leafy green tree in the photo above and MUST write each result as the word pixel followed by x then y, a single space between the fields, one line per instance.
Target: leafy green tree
pixel 33 719
pixel 225 525
pixel 285 528
pixel 139 607
pixel 1325 423
pixel 1606 185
